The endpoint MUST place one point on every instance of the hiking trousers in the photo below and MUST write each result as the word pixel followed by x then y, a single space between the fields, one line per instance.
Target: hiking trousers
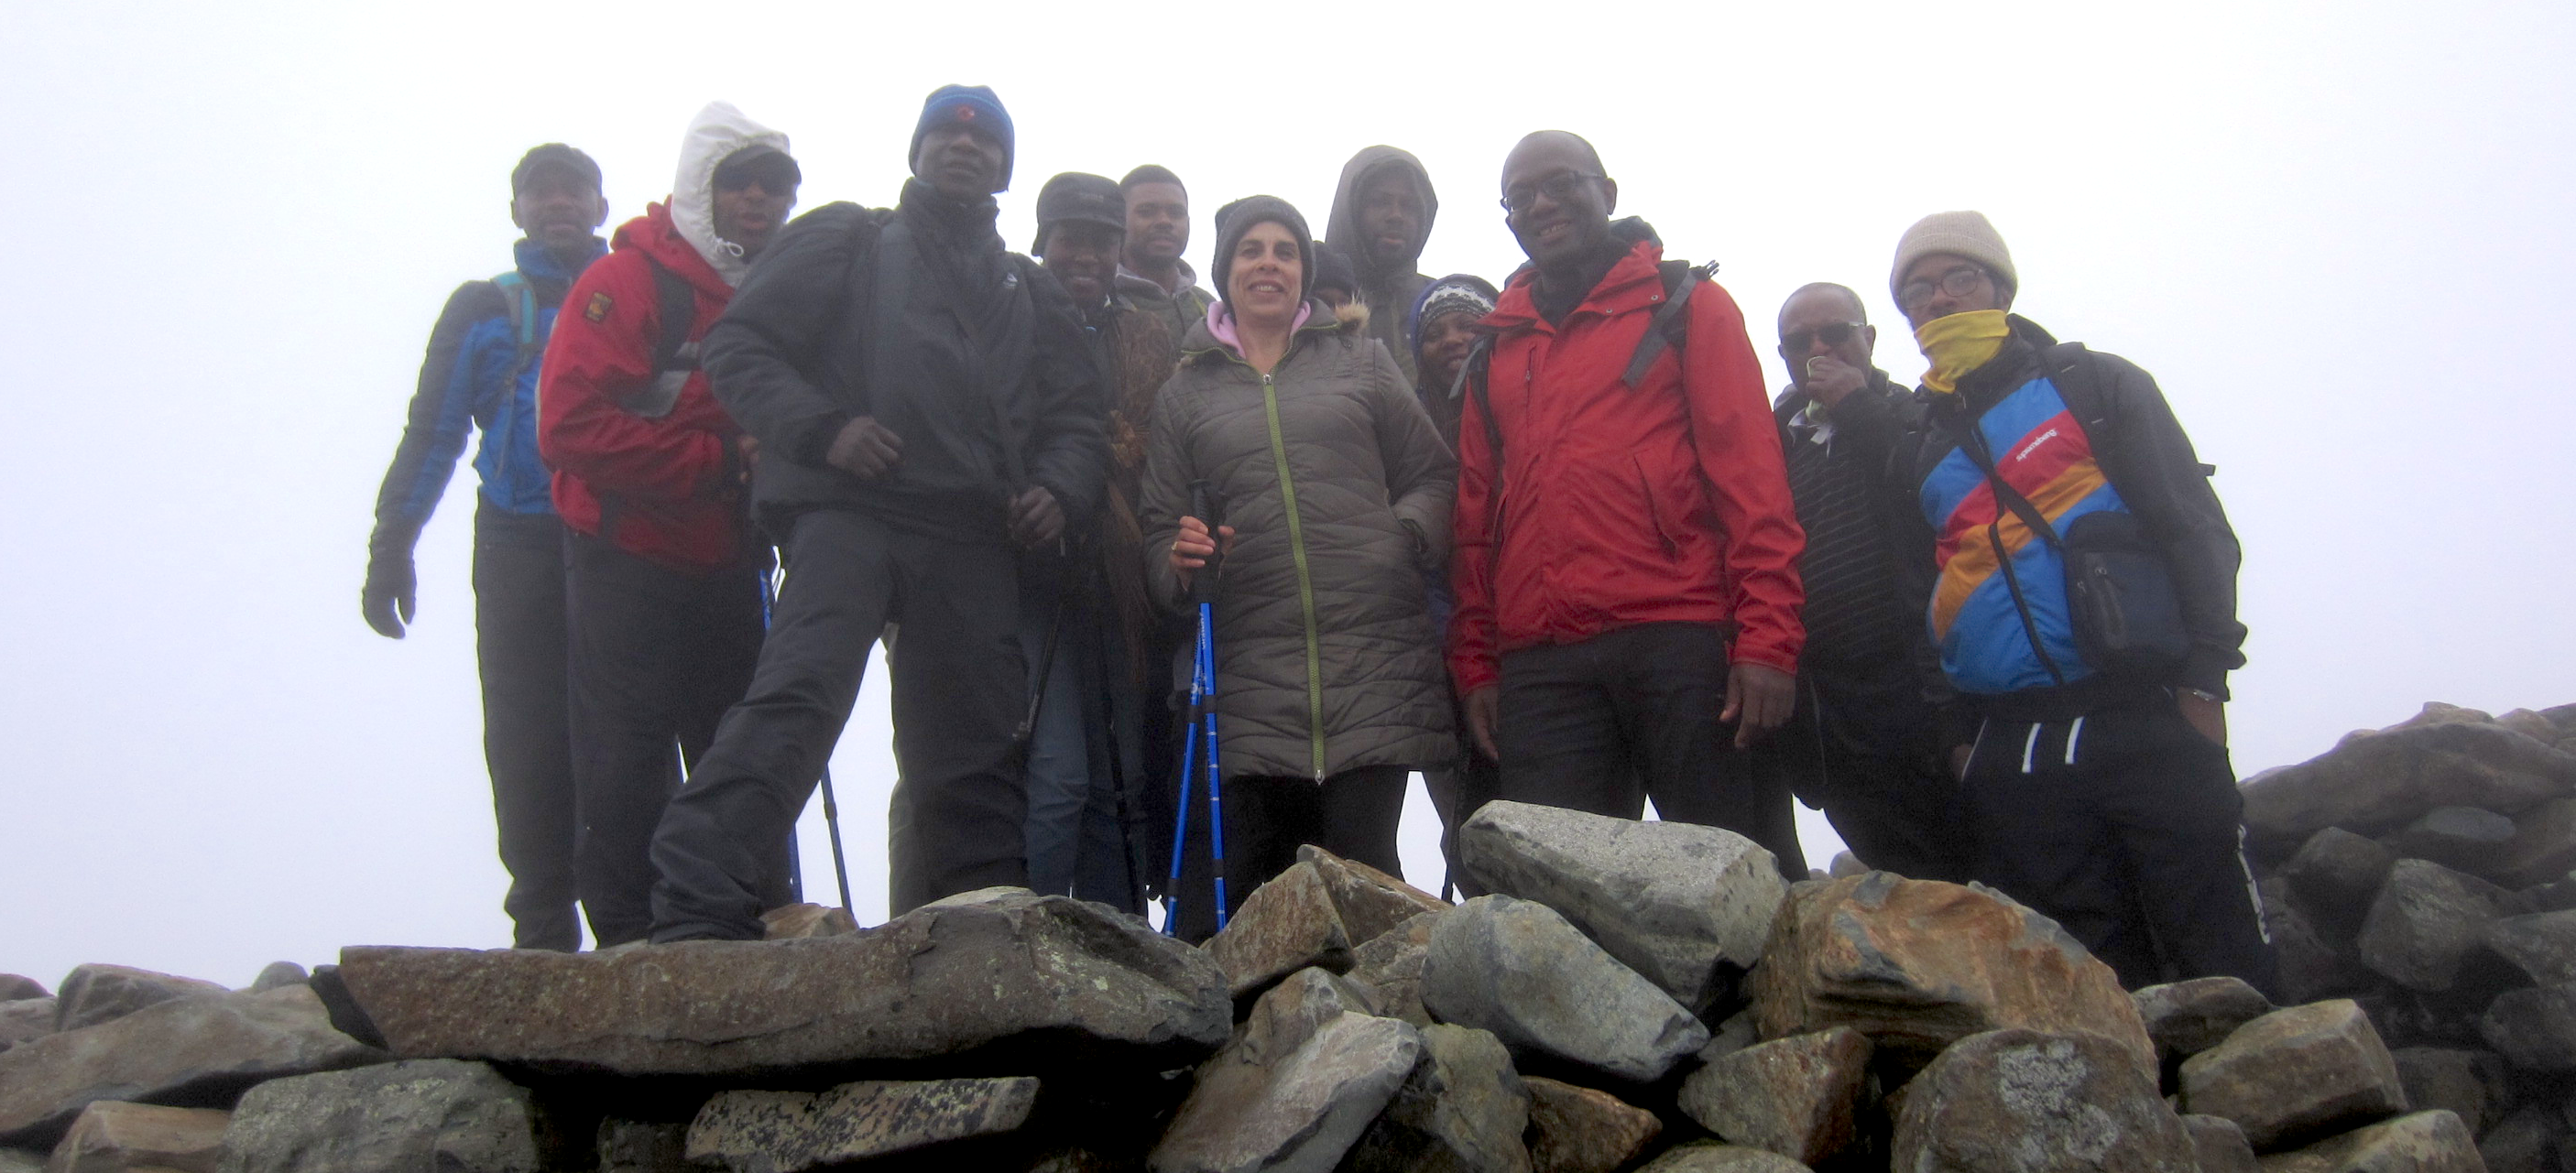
pixel 2125 826
pixel 1863 747
pixel 1352 814
pixel 658 654
pixel 1632 714
pixel 960 689
pixel 519 643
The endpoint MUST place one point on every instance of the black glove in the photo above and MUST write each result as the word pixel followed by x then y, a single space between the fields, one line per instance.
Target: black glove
pixel 386 600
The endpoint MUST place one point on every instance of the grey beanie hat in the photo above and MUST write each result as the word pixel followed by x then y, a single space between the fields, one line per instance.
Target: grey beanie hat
pixel 1962 234
pixel 1237 219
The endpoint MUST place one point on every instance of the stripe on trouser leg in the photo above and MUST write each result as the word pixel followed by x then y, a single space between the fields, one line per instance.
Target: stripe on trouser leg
pixel 2073 733
pixel 2030 747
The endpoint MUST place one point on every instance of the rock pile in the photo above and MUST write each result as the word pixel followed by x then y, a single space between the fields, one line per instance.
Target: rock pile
pixel 1627 997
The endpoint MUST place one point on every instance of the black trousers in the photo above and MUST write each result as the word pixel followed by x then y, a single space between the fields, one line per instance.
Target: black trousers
pixel 519 652
pixel 960 686
pixel 658 655
pixel 1863 747
pixel 2125 826
pixel 1353 814
pixel 1630 714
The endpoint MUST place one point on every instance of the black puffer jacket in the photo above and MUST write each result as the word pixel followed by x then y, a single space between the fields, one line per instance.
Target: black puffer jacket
pixel 1326 658
pixel 981 367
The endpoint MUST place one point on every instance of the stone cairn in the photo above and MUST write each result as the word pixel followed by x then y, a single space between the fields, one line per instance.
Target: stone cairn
pixel 1628 996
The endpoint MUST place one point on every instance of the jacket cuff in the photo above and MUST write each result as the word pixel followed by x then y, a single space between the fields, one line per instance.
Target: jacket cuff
pixel 393 540
pixel 2206 669
pixel 1767 657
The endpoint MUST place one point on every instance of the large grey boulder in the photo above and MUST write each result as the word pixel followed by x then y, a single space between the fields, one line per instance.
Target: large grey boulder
pixel 2020 1101
pixel 92 994
pixel 1799 1097
pixel 2424 1142
pixel 2463 838
pixel 2316 958
pixel 1516 968
pixel 1688 907
pixel 199 1051
pixel 2424 923
pixel 1284 926
pixel 14 987
pixel 276 974
pixel 1584 1130
pixel 2189 1017
pixel 2543 847
pixel 1389 966
pixel 2467 1083
pixel 2541 945
pixel 749 1131
pixel 2338 872
pixel 2534 1029
pixel 1004 983
pixel 1463 1110
pixel 112 1136
pixel 1919 964
pixel 1370 902
pixel 1289 1105
pixel 2375 783
pixel 2296 1074
pixel 25 1021
pixel 2524 1142
pixel 442 1114
pixel 2220 1145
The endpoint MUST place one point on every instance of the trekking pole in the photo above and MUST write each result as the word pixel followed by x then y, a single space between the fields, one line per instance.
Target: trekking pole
pixel 1204 506
pixel 831 809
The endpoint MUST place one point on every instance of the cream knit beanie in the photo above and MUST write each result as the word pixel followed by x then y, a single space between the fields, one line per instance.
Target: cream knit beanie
pixel 1964 234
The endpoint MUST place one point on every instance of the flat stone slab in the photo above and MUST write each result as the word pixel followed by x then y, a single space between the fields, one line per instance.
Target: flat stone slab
pixel 112 1136
pixel 199 1051
pixel 2424 1142
pixel 1065 982
pixel 788 1132
pixel 1516 968
pixel 424 1114
pixel 93 994
pixel 1298 1111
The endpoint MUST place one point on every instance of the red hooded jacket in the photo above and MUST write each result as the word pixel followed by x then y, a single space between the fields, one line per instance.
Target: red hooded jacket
pixel 1664 504
pixel 667 489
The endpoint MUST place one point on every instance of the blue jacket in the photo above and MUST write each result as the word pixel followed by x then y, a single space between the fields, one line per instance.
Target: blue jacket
pixel 464 384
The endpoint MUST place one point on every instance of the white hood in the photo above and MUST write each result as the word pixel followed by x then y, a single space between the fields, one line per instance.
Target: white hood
pixel 714 135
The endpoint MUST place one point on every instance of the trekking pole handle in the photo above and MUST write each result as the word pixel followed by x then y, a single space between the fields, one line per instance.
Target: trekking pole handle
pixel 1205 507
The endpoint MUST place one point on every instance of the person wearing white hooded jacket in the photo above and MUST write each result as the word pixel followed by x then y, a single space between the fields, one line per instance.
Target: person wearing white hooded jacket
pixel 664 572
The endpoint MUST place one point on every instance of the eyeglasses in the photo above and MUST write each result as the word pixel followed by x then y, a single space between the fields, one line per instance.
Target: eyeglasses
pixel 1559 187
pixel 1833 334
pixel 1959 282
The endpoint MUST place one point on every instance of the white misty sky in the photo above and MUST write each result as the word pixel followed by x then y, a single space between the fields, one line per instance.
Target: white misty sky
pixel 2337 233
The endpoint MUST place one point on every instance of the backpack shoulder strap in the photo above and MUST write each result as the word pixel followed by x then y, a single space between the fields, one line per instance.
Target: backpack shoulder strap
pixel 1973 442
pixel 1670 326
pixel 676 306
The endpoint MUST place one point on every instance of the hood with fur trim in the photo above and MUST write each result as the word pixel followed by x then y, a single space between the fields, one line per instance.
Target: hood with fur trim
pixel 714 136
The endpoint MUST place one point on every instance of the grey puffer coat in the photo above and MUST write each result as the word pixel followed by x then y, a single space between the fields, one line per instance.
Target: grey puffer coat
pixel 1326 657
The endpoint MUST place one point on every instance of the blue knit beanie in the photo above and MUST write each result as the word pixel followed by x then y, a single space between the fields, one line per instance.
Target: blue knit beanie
pixel 977 105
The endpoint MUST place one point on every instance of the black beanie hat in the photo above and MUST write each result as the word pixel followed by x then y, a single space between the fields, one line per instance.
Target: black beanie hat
pixel 1236 219
pixel 1334 270
pixel 1077 196
pixel 976 106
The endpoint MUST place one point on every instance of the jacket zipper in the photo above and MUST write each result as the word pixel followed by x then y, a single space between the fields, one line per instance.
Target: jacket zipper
pixel 1305 580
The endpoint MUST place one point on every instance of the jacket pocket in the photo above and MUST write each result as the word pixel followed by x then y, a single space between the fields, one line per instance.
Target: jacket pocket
pixel 1664 531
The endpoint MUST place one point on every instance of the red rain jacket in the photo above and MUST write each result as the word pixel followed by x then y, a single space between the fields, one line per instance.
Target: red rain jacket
pixel 667 489
pixel 1664 504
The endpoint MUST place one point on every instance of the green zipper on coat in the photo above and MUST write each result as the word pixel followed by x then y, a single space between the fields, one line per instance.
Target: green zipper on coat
pixel 1305 579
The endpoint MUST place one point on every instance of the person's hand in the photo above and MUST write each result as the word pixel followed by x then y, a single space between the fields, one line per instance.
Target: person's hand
pixel 2206 714
pixel 1829 379
pixel 865 449
pixel 1036 518
pixel 1192 547
pixel 746 448
pixel 1759 699
pixel 1484 711
pixel 386 601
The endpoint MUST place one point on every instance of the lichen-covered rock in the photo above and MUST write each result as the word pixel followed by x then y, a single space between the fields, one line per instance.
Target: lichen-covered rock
pixel 788 1132
pixel 2424 1142
pixel 2296 1074
pixel 1516 968
pixel 1584 1130
pixel 1389 967
pixel 2020 1101
pixel 1687 906
pixel 1286 925
pixel 1371 903
pixel 1799 1097
pixel 1006 983
pixel 442 1114
pixel 1919 964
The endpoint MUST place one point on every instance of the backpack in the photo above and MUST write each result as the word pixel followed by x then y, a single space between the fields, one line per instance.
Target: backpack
pixel 675 357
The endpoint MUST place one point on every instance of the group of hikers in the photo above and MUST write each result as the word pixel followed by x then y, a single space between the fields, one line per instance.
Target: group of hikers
pixel 1552 542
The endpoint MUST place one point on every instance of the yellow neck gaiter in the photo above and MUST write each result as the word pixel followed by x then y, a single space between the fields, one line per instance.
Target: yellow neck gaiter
pixel 1958 344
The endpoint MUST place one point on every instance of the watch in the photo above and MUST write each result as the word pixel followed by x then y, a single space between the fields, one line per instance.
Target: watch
pixel 2203 694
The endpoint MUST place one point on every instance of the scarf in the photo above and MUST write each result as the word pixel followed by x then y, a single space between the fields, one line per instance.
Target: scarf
pixel 1958 344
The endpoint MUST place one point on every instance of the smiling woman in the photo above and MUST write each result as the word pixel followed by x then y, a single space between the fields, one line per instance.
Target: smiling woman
pixel 1334 488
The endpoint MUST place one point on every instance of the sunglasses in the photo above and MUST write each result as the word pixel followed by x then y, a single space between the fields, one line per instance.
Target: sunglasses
pixel 1800 341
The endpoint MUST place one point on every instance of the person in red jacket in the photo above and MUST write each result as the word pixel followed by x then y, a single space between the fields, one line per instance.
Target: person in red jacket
pixel 664 576
pixel 1626 558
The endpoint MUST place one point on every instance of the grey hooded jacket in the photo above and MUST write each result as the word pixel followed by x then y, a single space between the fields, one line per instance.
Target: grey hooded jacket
pixel 1339 490
pixel 1388 284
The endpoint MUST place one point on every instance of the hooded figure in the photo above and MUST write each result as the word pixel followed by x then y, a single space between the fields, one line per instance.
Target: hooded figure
pixel 717 134
pixel 1388 280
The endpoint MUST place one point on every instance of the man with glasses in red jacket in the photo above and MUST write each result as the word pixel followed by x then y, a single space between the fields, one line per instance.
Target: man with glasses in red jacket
pixel 1626 563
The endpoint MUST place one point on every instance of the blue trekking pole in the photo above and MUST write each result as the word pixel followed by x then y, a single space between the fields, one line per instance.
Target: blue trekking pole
pixel 831 809
pixel 1201 728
